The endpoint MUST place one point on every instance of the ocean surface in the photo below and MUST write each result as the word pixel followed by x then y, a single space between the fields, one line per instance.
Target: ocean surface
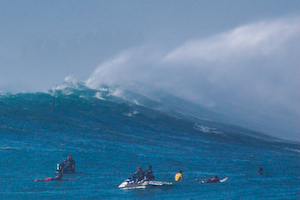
pixel 110 136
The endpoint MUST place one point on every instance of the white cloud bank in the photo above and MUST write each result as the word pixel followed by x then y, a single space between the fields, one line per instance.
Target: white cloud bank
pixel 251 73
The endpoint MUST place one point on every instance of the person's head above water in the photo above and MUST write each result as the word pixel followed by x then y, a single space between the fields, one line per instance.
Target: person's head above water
pixel 139 168
pixel 180 171
pixel 150 166
pixel 70 158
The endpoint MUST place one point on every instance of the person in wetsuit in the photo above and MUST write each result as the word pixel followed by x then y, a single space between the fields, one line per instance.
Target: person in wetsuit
pixel 56 178
pixel 214 180
pixel 260 171
pixel 139 175
pixel 68 166
pixel 211 180
pixel 149 174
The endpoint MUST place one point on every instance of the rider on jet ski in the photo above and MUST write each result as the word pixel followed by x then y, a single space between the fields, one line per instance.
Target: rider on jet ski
pixel 67 166
pixel 139 175
pixel 149 174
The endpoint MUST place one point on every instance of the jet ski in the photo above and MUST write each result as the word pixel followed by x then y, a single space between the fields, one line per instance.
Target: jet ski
pixel 59 169
pixel 131 184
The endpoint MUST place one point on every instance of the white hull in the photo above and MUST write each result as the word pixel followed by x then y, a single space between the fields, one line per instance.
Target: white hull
pixel 130 184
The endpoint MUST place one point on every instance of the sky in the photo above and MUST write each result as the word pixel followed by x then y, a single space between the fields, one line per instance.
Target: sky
pixel 240 58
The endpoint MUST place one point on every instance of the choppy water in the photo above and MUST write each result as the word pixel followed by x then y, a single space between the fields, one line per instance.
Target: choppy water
pixel 109 138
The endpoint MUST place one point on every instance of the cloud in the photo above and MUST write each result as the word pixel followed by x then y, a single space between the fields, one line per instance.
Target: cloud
pixel 250 72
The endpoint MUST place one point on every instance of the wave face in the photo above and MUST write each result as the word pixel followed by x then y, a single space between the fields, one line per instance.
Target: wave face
pixel 249 73
pixel 110 136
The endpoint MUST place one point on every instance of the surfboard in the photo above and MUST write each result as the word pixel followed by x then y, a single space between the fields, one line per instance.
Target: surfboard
pixel 220 181
pixel 70 179
pixel 223 180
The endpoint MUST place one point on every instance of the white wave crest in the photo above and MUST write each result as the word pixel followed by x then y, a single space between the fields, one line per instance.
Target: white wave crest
pixel 250 72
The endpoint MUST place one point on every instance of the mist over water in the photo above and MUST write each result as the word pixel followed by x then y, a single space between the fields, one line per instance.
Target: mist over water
pixel 250 73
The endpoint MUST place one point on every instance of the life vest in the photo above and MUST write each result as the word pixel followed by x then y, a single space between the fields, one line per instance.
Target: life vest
pixel 178 176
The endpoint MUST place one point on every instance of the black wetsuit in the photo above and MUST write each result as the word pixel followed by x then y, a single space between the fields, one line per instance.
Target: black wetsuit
pixel 214 180
pixel 149 175
pixel 68 166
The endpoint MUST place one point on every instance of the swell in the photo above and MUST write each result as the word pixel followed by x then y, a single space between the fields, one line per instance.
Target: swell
pixel 74 110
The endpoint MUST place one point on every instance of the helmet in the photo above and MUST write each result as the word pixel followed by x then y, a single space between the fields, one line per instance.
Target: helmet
pixel 139 168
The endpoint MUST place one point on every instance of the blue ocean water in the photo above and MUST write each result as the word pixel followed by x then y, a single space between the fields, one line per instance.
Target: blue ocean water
pixel 109 137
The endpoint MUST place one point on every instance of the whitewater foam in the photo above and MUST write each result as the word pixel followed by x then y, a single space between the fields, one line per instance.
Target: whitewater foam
pixel 131 114
pixel 98 96
pixel 294 150
pixel 206 129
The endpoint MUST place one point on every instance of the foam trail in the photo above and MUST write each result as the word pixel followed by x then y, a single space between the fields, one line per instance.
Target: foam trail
pixel 251 72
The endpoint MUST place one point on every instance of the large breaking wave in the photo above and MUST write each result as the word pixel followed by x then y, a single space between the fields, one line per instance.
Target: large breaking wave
pixel 249 74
